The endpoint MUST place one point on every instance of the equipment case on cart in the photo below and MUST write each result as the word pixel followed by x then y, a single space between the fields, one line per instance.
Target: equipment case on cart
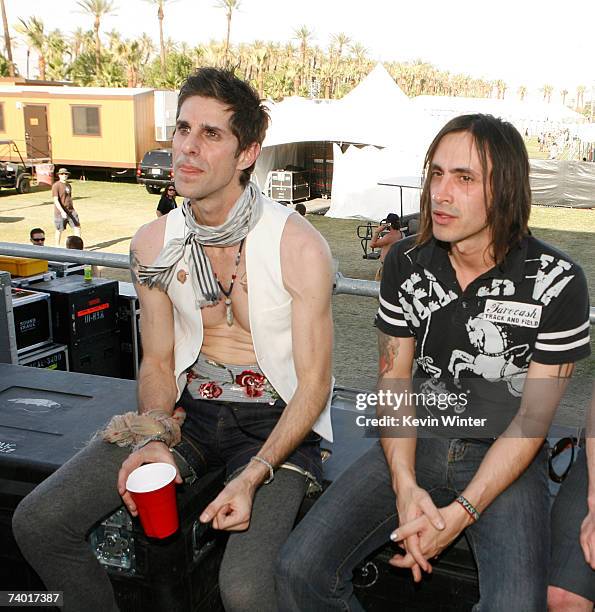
pixel 50 357
pixel 80 308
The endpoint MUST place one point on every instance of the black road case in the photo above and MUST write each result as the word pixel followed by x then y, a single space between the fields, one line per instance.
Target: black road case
pixel 32 321
pixel 98 355
pixel 50 357
pixel 80 308
pixel 289 185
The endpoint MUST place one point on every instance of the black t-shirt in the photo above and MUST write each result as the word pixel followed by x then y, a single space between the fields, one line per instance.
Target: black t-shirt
pixel 534 307
pixel 166 204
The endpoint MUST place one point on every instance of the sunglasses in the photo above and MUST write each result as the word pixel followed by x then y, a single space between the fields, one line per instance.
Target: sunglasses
pixel 561 458
pixel 38 239
pixel 172 190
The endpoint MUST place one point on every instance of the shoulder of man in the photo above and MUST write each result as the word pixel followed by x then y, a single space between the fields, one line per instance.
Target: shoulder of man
pixel 148 240
pixel 538 249
pixel 559 288
pixel 402 253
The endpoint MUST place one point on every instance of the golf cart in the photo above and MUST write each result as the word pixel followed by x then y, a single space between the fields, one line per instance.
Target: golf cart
pixel 14 173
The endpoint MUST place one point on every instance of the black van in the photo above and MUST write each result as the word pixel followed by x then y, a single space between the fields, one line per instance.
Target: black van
pixel 155 170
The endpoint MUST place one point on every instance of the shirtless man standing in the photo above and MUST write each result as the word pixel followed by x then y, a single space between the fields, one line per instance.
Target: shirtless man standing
pixel 236 324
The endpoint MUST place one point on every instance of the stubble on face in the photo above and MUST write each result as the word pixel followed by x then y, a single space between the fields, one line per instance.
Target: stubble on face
pixel 205 151
pixel 459 203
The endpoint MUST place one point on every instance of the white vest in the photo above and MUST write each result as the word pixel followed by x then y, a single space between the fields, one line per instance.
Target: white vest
pixel 269 306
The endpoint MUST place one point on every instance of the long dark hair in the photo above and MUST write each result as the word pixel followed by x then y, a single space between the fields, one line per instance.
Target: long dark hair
pixel 508 211
pixel 249 120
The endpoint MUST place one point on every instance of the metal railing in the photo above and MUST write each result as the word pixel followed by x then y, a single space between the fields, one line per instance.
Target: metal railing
pixel 344 285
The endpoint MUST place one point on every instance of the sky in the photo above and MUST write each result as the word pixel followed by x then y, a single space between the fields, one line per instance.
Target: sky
pixel 523 42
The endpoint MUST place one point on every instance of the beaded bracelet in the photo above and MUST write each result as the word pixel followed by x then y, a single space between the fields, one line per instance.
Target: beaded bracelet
pixel 470 509
pixel 269 465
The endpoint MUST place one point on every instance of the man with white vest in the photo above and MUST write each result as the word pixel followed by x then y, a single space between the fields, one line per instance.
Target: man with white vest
pixel 235 294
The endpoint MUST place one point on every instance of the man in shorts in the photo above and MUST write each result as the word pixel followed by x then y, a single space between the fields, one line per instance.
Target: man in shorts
pixel 64 213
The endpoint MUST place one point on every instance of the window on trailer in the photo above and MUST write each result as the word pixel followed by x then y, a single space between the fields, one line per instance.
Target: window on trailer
pixel 85 121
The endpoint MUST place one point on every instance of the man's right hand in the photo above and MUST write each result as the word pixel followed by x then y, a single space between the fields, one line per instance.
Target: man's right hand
pixel 154 452
pixel 64 215
pixel 413 502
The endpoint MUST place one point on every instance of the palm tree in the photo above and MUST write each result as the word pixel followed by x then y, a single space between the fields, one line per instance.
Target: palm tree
pixel 547 92
pixel 97 9
pixel 564 93
pixel 580 92
pixel 522 91
pixel 304 36
pixel 160 15
pixel 56 48
pixel 32 30
pixel 340 40
pixel 147 47
pixel 131 53
pixel 229 6
pixel 7 40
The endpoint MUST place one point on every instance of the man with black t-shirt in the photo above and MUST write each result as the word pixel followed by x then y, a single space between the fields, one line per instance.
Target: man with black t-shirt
pixel 493 320
pixel 64 213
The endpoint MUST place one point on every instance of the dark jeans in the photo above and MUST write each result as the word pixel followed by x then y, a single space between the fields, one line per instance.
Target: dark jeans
pixel 52 523
pixel 356 515
pixel 229 433
pixel 569 570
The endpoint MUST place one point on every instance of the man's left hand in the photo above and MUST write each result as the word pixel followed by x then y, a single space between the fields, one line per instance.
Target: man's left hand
pixel 431 541
pixel 232 508
pixel 587 539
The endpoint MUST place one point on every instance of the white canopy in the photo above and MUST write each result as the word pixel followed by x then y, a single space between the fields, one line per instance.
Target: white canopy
pixel 535 115
pixel 376 112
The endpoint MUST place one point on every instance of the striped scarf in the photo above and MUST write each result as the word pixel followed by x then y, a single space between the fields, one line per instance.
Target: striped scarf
pixel 244 215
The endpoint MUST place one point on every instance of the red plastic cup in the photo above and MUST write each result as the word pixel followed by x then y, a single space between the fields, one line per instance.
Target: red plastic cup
pixel 153 490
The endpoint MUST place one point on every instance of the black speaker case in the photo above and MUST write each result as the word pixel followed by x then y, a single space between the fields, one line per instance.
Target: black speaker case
pixel 81 309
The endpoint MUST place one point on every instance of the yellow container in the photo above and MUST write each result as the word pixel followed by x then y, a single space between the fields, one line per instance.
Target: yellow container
pixel 23 266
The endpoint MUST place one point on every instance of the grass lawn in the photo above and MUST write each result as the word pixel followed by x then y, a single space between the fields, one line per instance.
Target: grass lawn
pixel 111 212
pixel 533 149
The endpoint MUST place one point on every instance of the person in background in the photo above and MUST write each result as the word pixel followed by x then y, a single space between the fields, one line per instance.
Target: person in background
pixel 384 236
pixel 64 213
pixel 300 208
pixel 167 202
pixel 75 242
pixel 37 236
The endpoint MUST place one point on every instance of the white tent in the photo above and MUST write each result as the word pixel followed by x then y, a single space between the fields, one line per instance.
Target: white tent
pixel 586 132
pixel 376 113
pixel 532 115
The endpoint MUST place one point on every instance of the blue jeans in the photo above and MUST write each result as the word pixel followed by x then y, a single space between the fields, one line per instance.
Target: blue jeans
pixel 356 515
pixel 229 433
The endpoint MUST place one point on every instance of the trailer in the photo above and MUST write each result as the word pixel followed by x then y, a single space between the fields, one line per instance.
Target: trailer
pixel 88 127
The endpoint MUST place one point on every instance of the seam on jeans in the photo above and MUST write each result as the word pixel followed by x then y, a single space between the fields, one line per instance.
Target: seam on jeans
pixel 188 440
pixel 358 544
pixel 472 544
